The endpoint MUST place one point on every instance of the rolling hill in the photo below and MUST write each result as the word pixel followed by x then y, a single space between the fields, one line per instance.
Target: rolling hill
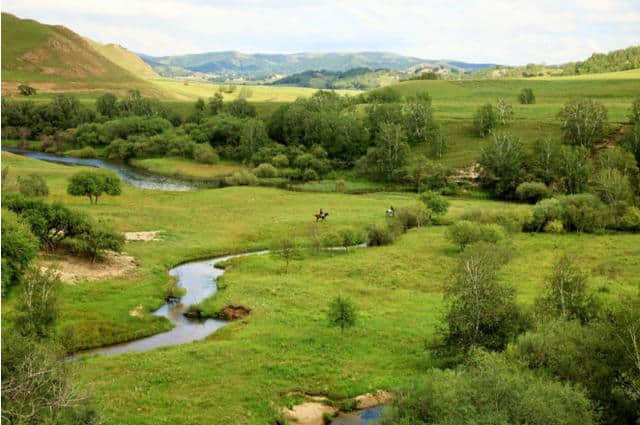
pixel 124 58
pixel 256 66
pixel 53 58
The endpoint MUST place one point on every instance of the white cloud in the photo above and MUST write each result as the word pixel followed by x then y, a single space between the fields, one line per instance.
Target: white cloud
pixel 504 31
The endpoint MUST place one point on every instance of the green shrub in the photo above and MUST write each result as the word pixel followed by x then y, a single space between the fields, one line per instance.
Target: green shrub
pixel 463 233
pixel 584 122
pixel 265 170
pixel 416 215
pixel 205 154
pixel 630 220
pixel 532 192
pixel 490 389
pixel 545 211
pixel 341 186
pixel 33 185
pixel 86 153
pixel 435 202
pixel 93 243
pixel 280 161
pixel 554 226
pixel 19 247
pixel 527 97
pixel 380 234
pixel 584 213
pixel 503 165
pixel 342 313
pixel 242 178
pixel 349 238
pixel 309 175
pixel 512 220
pixel 485 120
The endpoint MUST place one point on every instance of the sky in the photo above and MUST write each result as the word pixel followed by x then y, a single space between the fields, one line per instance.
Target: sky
pixel 512 32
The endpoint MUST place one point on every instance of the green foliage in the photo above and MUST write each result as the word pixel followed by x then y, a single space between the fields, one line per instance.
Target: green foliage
pixel 342 313
pixel 205 154
pixel 526 97
pixel 634 113
pixel 554 226
pixel 26 90
pixel 414 215
pixel 87 152
pixel 51 223
pixel 573 169
pixel 216 104
pixel 36 309
pixel 107 105
pixel 33 185
pixel 386 161
pixel 94 242
pixel 584 213
pixel 240 108
pixel 35 385
pixel 544 160
pixel 511 220
pixel 579 354
pixel 280 161
pixel 93 184
pixel 242 178
pixel 566 293
pixel 463 233
pixel 504 112
pixel 584 122
pixel 503 165
pixel 612 186
pixel 489 389
pixel 435 202
pixel 19 247
pixel 380 234
pixel 532 192
pixel 288 249
pixel 485 120
pixel 482 311
pixel 265 170
pixel 630 219
pixel 631 141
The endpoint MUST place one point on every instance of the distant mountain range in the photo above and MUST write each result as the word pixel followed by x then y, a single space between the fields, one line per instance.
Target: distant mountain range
pixel 261 66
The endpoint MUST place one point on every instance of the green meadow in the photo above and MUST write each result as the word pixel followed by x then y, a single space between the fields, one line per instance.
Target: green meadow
pixel 248 370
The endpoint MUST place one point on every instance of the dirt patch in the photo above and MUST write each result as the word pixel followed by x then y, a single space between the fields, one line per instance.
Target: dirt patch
pixel 136 312
pixel 232 312
pixel 142 236
pixel 72 269
pixel 470 173
pixel 309 413
pixel 368 400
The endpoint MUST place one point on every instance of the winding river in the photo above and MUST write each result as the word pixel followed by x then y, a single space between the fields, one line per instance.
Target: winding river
pixel 131 175
pixel 198 278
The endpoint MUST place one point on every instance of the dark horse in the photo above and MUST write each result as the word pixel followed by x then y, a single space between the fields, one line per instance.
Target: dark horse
pixel 321 215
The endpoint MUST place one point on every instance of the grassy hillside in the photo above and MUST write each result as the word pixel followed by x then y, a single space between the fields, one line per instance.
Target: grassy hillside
pixel 357 78
pixel 53 58
pixel 455 102
pixel 124 58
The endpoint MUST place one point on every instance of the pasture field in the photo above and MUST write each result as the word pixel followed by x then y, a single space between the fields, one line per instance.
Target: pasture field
pixel 192 90
pixel 245 372
pixel 184 168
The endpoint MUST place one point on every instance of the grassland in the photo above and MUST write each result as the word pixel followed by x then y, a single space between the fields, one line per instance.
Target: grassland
pixel 186 169
pixel 243 373
pixel 192 90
